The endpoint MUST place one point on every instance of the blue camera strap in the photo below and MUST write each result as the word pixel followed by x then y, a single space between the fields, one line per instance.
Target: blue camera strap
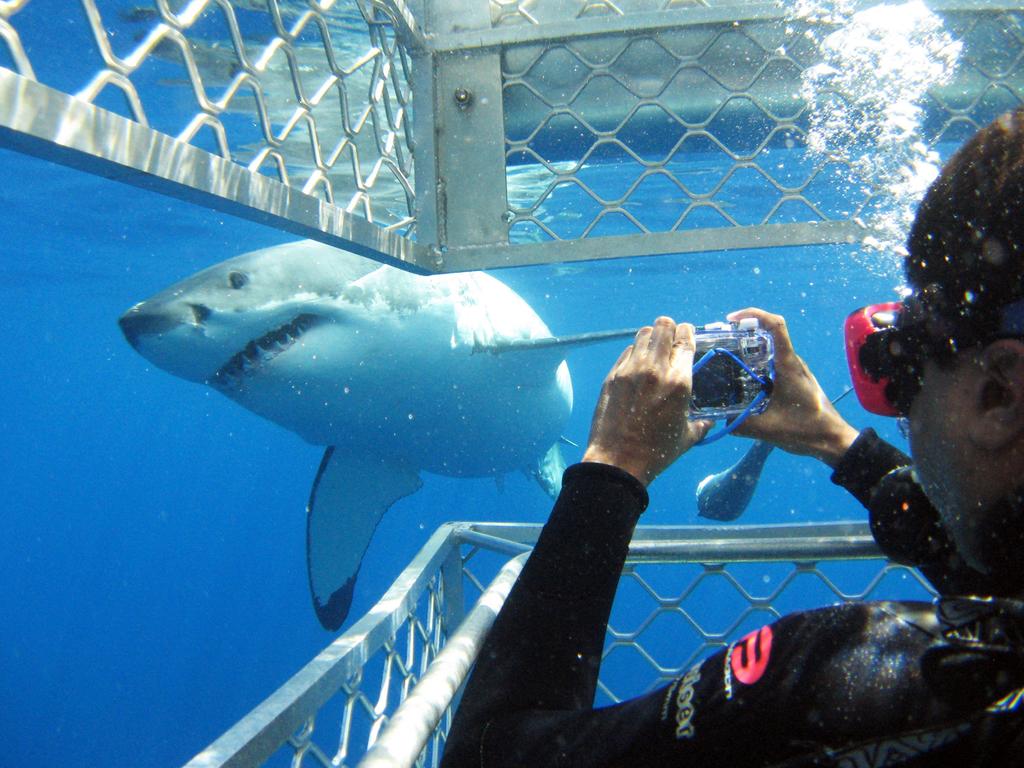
pixel 766 385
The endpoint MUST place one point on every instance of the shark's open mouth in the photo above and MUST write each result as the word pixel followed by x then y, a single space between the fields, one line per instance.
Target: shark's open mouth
pixel 261 351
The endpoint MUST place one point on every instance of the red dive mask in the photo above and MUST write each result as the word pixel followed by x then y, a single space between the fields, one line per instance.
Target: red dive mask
pixel 868 381
pixel 887 344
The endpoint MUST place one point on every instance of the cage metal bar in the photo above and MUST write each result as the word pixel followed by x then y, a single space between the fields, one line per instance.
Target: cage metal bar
pixel 708 239
pixel 632 24
pixel 470 150
pixel 459 123
pixel 257 736
pixel 652 21
pixel 707 543
pixel 410 727
pixel 54 126
pixel 451 580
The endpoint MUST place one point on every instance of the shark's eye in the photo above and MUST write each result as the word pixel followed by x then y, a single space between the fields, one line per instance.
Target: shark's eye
pixel 237 279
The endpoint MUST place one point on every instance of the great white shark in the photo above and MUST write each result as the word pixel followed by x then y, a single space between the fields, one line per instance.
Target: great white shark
pixel 390 371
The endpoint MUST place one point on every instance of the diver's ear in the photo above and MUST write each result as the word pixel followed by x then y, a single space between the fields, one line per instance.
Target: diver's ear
pixel 999 395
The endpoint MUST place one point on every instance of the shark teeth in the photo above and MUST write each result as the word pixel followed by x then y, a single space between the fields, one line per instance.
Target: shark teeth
pixel 261 351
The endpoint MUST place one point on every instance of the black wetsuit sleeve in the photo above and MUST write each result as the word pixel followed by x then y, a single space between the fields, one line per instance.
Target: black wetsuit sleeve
pixel 903 521
pixel 544 650
pixel 865 463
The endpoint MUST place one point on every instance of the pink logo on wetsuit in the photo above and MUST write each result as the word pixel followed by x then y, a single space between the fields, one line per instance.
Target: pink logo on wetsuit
pixel 749 657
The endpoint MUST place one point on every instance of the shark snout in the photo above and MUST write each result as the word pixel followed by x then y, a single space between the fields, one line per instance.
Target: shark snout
pixel 139 321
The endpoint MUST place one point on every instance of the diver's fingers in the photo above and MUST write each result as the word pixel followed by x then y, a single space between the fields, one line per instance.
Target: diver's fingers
pixel 643 336
pixel 642 341
pixel 662 340
pixel 774 324
pixel 683 346
pixel 701 428
pixel 623 357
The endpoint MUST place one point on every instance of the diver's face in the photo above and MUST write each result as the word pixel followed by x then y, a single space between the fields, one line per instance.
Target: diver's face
pixel 943 460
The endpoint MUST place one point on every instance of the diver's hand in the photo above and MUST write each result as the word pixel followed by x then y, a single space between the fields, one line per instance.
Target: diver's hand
pixel 799 419
pixel 640 423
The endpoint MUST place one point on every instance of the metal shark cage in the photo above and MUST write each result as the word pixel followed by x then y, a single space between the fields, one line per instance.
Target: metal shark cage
pixel 382 694
pixel 448 135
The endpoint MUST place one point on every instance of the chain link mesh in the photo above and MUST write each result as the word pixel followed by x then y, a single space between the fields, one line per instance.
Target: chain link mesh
pixel 350 722
pixel 705 606
pixel 314 94
pixel 701 119
pixel 658 117
pixel 667 615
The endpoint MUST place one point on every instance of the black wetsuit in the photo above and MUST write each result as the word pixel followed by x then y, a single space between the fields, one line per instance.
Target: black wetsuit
pixel 868 684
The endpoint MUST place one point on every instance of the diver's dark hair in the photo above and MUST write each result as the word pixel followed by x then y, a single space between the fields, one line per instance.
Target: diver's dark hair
pixel 967 240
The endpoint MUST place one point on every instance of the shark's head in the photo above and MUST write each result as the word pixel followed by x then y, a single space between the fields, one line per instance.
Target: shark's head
pixel 230 315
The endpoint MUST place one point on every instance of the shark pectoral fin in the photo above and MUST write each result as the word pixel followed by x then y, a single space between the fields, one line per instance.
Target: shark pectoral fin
pixel 350 495
pixel 548 471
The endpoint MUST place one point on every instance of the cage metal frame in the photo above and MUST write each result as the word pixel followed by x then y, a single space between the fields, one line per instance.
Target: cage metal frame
pixel 448 65
pixel 426 639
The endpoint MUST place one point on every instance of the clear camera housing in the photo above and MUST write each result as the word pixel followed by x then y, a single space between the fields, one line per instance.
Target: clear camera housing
pixel 733 365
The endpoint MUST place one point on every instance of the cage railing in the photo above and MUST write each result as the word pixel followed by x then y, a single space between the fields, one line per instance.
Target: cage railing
pixel 468 134
pixel 381 695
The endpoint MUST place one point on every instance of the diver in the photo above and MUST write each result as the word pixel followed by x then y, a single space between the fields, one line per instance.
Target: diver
pixel 857 684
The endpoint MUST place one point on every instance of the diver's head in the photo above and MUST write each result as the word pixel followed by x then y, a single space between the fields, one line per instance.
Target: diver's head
pixel 965 266
pixel 961 332
pixel 967 240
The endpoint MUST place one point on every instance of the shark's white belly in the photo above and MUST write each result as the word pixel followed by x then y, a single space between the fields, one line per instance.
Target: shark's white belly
pixel 409 386
pixel 480 421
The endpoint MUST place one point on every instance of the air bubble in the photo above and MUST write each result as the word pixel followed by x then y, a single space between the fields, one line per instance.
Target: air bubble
pixel 993 252
pixel 877 67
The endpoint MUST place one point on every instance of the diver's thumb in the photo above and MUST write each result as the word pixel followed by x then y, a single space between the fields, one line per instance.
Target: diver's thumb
pixel 700 429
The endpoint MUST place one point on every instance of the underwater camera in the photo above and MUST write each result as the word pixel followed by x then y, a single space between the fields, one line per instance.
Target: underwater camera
pixel 733 370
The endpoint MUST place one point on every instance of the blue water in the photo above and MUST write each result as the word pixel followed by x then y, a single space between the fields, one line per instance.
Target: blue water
pixel 152 556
